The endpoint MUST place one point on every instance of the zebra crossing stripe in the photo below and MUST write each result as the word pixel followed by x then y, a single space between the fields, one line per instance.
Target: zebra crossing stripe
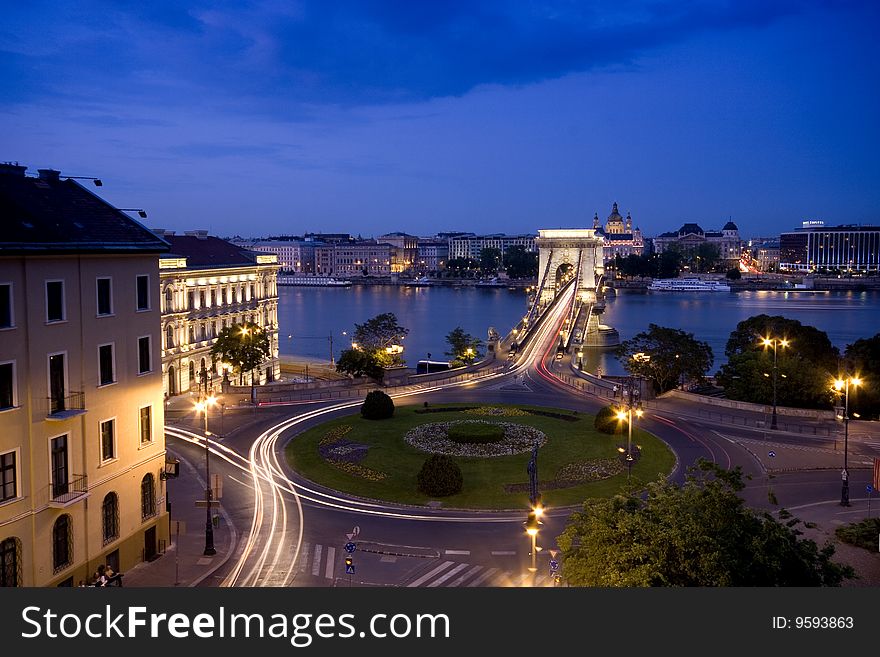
pixel 448 575
pixel 331 556
pixel 482 578
pixel 316 562
pixel 424 578
pixel 519 581
pixel 304 558
pixel 467 575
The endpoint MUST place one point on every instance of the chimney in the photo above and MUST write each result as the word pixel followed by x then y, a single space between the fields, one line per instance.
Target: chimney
pixel 49 175
pixel 198 234
pixel 162 232
pixel 10 169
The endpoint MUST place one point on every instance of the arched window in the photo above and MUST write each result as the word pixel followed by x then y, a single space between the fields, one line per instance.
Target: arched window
pixel 169 300
pixel 10 562
pixel 192 375
pixel 148 497
pixel 169 336
pixel 110 515
pixel 62 543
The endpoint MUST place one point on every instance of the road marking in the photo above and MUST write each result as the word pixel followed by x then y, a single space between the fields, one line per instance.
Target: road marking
pixel 448 575
pixel 482 578
pixel 462 552
pixel 316 562
pixel 243 483
pixel 425 578
pixel 458 581
pixel 331 555
pixel 304 558
pixel 503 553
pixel 519 581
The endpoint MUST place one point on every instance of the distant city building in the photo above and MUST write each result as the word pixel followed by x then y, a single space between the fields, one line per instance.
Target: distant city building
pixel 358 259
pixel 815 247
pixel 765 253
pixel 620 237
pixel 690 236
pixel 82 447
pixel 404 251
pixel 294 256
pixel 432 255
pixel 469 245
pixel 329 238
pixel 207 284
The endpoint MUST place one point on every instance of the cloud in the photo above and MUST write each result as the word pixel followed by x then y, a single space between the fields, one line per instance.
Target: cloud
pixel 274 57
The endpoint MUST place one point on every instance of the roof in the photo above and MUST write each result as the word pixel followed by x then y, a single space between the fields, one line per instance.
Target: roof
pixel 204 252
pixel 690 228
pixel 730 226
pixel 54 215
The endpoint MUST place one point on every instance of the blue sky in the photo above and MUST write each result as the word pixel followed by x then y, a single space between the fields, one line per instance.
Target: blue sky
pixel 255 118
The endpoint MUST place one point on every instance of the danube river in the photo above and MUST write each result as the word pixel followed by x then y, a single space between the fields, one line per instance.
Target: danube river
pixel 308 316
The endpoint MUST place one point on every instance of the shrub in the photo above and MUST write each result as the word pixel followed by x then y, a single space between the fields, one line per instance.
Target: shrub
pixel 607 422
pixel 377 406
pixel 440 476
pixel 475 432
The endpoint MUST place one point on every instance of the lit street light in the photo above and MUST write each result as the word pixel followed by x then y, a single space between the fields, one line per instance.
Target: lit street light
pixel 532 524
pixel 202 407
pixel 774 342
pixel 842 385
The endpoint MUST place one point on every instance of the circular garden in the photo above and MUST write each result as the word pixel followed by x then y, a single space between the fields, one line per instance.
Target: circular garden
pixel 490 444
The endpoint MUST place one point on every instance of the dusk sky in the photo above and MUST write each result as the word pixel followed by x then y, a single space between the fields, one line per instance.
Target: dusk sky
pixel 258 118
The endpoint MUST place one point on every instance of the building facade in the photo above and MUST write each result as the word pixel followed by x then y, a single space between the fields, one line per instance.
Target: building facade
pixel 82 447
pixel 361 258
pixel 205 285
pixel 815 247
pixel 691 236
pixel 432 255
pixel 404 251
pixel 469 246
pixel 294 256
pixel 621 239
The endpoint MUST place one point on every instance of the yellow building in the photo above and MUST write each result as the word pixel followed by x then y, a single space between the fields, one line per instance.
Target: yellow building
pixel 207 284
pixel 82 447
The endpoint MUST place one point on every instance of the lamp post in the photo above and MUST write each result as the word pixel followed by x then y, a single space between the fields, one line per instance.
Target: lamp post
pixel 774 342
pixel 843 385
pixel 532 524
pixel 202 406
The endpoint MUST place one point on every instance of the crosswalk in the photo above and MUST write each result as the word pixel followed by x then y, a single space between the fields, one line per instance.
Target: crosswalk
pixel 320 561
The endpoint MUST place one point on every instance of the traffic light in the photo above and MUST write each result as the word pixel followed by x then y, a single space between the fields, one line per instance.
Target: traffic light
pixel 532 523
pixel 348 561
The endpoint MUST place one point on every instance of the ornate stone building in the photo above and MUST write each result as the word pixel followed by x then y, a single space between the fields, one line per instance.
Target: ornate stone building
pixel 619 236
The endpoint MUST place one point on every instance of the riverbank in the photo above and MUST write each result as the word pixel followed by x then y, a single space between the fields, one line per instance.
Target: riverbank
pixel 773 282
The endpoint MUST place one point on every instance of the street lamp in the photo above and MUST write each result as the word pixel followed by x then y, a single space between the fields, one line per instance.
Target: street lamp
pixel 842 385
pixel 774 342
pixel 202 407
pixel 532 524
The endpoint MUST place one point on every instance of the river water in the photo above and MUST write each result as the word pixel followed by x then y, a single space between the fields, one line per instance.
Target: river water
pixel 307 316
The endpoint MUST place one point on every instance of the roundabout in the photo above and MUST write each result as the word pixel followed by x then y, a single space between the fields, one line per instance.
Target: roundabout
pixel 380 459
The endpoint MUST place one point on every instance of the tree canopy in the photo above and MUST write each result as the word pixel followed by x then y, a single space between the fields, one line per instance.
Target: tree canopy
pixel 666 357
pixel 696 534
pixel 463 346
pixel 381 337
pixel 490 259
pixel 862 358
pixel 519 263
pixel 355 362
pixel 244 346
pixel 804 368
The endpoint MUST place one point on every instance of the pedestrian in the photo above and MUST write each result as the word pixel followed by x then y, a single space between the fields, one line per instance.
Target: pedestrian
pixel 101 576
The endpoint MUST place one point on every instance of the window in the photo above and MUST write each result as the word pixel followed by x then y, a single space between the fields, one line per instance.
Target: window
pixel 148 497
pixel 10 562
pixel 108 440
pixel 62 543
pixel 169 300
pixel 145 358
pixel 201 299
pixel 146 424
pixel 105 304
pixel 169 336
pixel 54 301
pixel 235 295
pixel 105 365
pixel 143 292
pixel 6 319
pixel 192 334
pixel 110 517
pixel 8 396
pixel 204 331
pixel 253 296
pixel 8 477
pixel 213 298
pixel 190 300
pixel 58 456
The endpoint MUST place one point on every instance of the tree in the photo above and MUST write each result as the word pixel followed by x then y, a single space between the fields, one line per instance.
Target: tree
pixel 490 259
pixel 706 256
pixel 244 346
pixel 863 358
pixel 463 346
pixel 734 274
pixel 462 264
pixel 669 263
pixel 356 362
pixel 804 369
pixel 377 406
pixel 665 356
pixel 696 534
pixel 520 263
pixel 381 337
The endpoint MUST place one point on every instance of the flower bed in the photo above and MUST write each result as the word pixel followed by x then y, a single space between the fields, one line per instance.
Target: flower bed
pixel 574 474
pixel 346 455
pixel 496 411
pixel 434 438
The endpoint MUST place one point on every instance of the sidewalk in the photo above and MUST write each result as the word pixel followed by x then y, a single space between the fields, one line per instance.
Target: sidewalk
pixel 184 563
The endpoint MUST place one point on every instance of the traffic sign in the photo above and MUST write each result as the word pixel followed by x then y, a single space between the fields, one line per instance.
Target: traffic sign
pixel 869 488
pixel 554 565
pixel 354 532
pixel 349 569
pixel 350 547
pixel 771 454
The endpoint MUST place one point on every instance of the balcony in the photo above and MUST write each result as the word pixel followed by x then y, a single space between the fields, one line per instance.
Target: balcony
pixel 66 406
pixel 64 494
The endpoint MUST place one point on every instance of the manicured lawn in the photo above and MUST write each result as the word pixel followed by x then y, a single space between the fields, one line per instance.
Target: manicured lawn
pixel 484 478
